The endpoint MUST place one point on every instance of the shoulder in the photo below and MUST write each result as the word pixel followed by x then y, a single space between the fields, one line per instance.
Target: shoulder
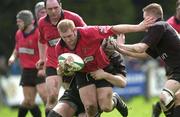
pixel 42 21
pixel 160 25
pixel 71 15
pixel 66 12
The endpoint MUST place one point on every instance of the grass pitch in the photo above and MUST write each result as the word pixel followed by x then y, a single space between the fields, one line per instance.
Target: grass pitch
pixel 138 107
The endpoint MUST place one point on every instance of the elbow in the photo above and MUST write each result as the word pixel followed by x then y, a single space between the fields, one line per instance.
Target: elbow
pixel 123 84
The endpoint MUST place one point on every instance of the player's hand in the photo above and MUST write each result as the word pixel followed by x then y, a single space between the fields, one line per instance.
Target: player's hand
pixel 63 70
pixel 146 23
pixel 40 64
pixel 98 74
pixel 11 61
pixel 41 73
pixel 120 39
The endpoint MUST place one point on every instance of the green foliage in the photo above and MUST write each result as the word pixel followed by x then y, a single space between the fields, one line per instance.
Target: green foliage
pixel 93 12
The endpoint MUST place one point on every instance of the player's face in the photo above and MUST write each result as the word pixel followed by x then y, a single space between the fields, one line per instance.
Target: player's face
pixel 53 9
pixel 178 13
pixel 69 37
pixel 41 13
pixel 20 24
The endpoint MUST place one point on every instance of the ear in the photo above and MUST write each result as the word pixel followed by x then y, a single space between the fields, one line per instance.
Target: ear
pixel 60 4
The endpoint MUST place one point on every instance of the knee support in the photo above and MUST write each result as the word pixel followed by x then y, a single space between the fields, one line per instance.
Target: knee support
pixel 53 113
pixel 168 101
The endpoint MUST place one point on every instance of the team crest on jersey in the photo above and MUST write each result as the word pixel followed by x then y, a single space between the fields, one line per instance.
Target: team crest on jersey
pixel 102 29
pixel 88 59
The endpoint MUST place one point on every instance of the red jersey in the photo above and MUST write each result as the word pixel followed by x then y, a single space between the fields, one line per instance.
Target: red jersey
pixel 50 35
pixel 172 21
pixel 27 48
pixel 88 47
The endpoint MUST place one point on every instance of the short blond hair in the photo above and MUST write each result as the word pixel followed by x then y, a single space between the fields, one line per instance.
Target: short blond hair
pixel 154 9
pixel 65 24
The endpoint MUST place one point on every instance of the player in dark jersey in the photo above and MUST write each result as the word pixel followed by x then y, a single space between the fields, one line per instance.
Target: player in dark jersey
pixel 70 103
pixel 174 21
pixel 26 49
pixel 161 40
pixel 86 42
pixel 48 38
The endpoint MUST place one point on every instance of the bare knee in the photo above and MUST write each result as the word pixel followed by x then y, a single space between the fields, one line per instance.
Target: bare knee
pixel 28 102
pixel 105 101
pixel 91 110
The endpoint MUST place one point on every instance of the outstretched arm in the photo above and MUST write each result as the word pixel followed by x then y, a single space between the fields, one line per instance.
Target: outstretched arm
pixel 126 28
pixel 134 50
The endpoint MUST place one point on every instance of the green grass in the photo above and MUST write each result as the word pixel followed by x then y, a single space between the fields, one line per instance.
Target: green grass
pixel 138 107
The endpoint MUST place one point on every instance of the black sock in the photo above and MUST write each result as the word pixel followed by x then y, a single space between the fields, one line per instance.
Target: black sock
pixel 47 112
pixel 157 109
pixel 35 111
pixel 22 111
pixel 176 112
pixel 169 113
pixel 53 113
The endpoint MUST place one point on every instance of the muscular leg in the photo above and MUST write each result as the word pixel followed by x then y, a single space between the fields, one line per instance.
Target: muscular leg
pixel 167 97
pixel 105 101
pixel 41 89
pixel 88 97
pixel 53 86
pixel 29 102
pixel 63 109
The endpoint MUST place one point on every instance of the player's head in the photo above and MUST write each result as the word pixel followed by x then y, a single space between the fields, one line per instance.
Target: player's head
pixel 154 10
pixel 67 31
pixel 24 18
pixel 178 12
pixel 53 8
pixel 177 3
pixel 39 10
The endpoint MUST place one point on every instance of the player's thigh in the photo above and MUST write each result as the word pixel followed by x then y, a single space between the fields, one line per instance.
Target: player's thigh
pixel 82 115
pixel 29 94
pixel 41 89
pixel 88 95
pixel 104 95
pixel 64 109
pixel 53 84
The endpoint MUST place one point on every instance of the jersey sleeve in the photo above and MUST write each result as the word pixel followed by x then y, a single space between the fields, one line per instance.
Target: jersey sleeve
pixel 41 33
pixel 152 53
pixel 98 32
pixel 78 21
pixel 153 35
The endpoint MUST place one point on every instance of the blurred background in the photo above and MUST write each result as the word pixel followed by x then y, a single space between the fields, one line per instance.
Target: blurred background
pixel 145 78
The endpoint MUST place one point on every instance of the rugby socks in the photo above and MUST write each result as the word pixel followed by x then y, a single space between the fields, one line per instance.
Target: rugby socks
pixel 35 111
pixel 169 113
pixel 47 112
pixel 53 113
pixel 176 111
pixel 22 111
pixel 156 109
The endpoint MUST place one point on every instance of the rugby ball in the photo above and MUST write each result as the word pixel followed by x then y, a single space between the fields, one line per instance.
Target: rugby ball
pixel 71 62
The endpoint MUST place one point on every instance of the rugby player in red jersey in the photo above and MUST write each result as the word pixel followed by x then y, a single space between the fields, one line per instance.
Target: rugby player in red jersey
pixel 49 36
pixel 26 49
pixel 86 42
